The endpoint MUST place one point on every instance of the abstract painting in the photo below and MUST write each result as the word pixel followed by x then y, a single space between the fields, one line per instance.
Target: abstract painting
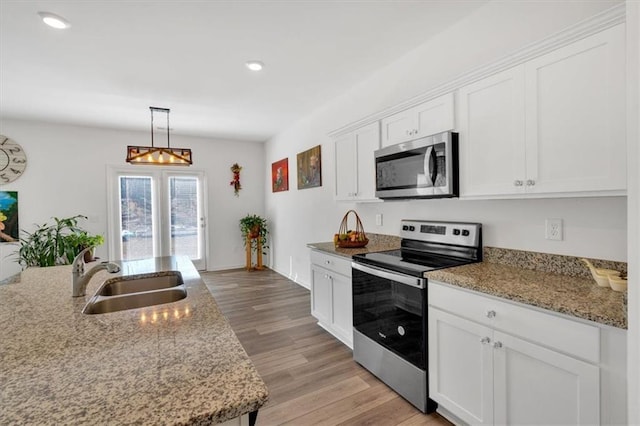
pixel 280 175
pixel 9 229
pixel 310 168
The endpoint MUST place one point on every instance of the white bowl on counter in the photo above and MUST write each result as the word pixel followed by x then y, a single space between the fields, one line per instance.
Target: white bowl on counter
pixel 617 283
pixel 602 276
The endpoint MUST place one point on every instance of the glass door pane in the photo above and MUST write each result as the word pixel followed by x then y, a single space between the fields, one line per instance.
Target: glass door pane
pixel 184 228
pixel 136 217
pixel 183 199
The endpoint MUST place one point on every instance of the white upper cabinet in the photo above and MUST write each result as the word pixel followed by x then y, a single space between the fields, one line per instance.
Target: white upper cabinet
pixel 355 166
pixel 491 134
pixel 428 118
pixel 575 116
pixel 553 125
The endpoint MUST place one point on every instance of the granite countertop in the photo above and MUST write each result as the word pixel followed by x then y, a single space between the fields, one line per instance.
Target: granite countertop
pixel 178 363
pixel 575 296
pixel 377 242
pixel 554 282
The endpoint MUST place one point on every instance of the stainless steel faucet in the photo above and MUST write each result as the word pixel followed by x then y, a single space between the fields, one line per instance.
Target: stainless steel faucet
pixel 81 278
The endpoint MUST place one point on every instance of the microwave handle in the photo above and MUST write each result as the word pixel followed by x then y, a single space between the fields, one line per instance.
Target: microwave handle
pixel 429 162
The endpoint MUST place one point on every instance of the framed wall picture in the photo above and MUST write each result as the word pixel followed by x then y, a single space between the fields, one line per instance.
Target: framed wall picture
pixel 280 175
pixel 310 168
pixel 9 228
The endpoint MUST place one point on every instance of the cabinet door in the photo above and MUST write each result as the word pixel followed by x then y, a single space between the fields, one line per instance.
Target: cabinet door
pixel 398 128
pixel 321 295
pixel 491 126
pixel 342 308
pixel 435 116
pixel 576 116
pixel 535 385
pixel 367 140
pixel 345 163
pixel 427 118
pixel 460 366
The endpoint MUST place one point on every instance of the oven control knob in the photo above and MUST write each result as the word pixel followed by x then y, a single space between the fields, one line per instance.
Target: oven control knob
pixel 401 330
pixel 465 232
pixel 456 232
pixel 405 227
pixel 412 228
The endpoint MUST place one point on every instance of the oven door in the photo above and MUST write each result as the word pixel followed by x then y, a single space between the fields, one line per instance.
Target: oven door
pixel 391 309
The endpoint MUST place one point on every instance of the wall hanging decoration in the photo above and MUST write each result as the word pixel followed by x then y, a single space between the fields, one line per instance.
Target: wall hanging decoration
pixel 13 160
pixel 159 156
pixel 235 169
pixel 9 229
pixel 280 175
pixel 310 168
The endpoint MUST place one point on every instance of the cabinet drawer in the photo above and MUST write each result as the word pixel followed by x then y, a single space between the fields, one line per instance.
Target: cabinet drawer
pixel 340 265
pixel 571 337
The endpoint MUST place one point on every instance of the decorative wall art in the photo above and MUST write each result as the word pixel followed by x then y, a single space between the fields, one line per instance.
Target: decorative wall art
pixel 9 229
pixel 280 175
pixel 235 169
pixel 310 168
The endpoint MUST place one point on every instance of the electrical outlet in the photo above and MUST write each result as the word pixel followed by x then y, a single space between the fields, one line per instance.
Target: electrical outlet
pixel 379 219
pixel 553 229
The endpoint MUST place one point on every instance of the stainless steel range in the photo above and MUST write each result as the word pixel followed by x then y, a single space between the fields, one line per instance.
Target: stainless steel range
pixel 390 302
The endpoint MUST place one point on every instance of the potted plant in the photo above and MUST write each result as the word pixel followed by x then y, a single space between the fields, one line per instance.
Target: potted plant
pixel 254 226
pixel 82 240
pixel 54 244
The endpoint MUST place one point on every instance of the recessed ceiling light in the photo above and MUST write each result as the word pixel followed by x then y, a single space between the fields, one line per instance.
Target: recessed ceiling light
pixel 255 65
pixel 54 20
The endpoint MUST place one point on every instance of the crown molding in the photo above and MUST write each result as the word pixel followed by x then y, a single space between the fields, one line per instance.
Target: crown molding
pixel 602 21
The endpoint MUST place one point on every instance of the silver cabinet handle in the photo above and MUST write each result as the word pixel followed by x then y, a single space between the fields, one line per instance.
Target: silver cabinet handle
pixel 531 182
pixel 491 314
pixel 517 183
pixel 485 340
pixel 497 345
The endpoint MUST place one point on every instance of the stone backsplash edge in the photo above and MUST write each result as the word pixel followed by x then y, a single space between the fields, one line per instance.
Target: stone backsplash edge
pixel 546 262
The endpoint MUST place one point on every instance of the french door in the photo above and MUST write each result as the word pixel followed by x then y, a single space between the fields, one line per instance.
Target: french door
pixel 157 212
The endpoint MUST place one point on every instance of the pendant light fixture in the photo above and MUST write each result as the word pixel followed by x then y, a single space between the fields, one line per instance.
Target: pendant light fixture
pixel 159 156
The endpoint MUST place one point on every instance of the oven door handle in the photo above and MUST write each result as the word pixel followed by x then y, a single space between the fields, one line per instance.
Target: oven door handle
pixel 420 283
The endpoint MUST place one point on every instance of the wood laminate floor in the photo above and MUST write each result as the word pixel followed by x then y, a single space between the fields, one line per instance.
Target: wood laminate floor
pixel 311 376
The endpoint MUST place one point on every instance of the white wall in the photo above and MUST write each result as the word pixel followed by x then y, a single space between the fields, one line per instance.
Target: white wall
pixel 594 227
pixel 633 142
pixel 67 169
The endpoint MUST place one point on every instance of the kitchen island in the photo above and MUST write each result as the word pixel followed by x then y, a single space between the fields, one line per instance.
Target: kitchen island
pixel 176 363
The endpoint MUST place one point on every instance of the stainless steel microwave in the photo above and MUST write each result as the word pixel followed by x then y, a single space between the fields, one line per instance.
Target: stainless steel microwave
pixel 421 168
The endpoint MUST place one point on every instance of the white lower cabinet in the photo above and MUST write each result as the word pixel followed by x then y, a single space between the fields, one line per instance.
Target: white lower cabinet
pixel 331 298
pixel 495 362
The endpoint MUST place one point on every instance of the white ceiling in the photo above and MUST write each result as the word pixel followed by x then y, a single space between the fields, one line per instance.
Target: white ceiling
pixel 120 57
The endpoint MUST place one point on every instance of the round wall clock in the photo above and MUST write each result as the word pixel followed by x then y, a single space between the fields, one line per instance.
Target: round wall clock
pixel 13 160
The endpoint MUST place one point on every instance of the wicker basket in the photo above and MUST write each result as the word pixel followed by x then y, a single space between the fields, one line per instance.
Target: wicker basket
pixel 361 237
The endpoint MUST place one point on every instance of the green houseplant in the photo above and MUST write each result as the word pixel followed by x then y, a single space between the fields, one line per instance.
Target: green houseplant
pixel 82 240
pixel 255 226
pixel 54 244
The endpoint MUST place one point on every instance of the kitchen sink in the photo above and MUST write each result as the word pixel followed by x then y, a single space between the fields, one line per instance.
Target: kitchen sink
pixel 137 291
pixel 140 283
pixel 105 304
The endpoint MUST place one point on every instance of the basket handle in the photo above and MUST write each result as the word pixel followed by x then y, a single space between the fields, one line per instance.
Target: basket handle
pixel 344 224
